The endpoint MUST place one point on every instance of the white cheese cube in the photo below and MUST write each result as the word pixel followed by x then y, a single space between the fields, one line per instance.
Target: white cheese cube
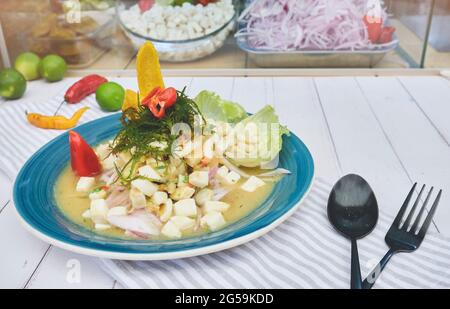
pixel 102 151
pixel 97 195
pixel 214 221
pixel 182 193
pixel 86 214
pixel 145 186
pixel 199 178
pixel 203 196
pixel 222 171
pixel 108 162
pixel 208 148
pixel 183 223
pixel 85 184
pixel 137 199
pixel 252 184
pixel 170 230
pixel 148 172
pixel 166 210
pixel 159 197
pixel 118 211
pixel 233 177
pixel 215 206
pixel 99 211
pixel 102 227
pixel 186 208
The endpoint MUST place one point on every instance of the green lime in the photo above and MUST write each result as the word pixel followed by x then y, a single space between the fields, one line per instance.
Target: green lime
pixel 12 84
pixel 110 96
pixel 28 65
pixel 53 68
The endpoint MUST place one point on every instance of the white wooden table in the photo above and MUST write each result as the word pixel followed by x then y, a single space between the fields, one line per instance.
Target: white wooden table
pixel 391 130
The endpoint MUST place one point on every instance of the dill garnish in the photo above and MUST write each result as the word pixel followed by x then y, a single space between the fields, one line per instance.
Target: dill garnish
pixel 143 134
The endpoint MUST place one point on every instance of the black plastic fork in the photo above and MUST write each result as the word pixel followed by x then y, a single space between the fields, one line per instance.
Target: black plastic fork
pixel 402 237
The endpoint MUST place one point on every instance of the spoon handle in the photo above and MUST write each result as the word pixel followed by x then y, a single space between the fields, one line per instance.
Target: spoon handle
pixel 356 281
pixel 376 272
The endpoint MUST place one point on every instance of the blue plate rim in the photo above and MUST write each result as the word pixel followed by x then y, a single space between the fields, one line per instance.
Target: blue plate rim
pixel 102 253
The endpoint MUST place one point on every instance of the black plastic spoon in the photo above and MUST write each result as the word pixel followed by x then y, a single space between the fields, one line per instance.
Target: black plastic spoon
pixel 353 211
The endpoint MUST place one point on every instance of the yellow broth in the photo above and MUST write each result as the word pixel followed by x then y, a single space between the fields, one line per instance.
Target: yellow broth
pixel 73 204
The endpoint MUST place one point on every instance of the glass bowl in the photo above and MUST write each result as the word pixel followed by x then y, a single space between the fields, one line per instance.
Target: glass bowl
pixel 178 50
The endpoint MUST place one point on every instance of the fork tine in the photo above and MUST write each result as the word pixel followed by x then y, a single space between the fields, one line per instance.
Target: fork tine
pixel 402 210
pixel 427 222
pixel 422 210
pixel 413 209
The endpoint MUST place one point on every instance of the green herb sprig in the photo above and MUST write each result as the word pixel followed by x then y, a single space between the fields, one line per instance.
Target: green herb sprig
pixel 143 134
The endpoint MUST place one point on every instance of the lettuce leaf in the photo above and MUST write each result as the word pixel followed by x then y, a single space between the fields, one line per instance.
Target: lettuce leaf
pixel 217 109
pixel 266 126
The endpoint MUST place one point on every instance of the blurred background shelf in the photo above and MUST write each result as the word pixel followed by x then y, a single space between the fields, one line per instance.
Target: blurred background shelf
pixel 411 18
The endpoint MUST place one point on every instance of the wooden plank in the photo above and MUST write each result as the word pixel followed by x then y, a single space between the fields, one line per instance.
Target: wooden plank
pixel 298 106
pixel 253 93
pixel 61 269
pixel 360 142
pixel 432 95
pixel 422 150
pixel 21 252
pixel 223 86
pixel 5 190
pixel 218 72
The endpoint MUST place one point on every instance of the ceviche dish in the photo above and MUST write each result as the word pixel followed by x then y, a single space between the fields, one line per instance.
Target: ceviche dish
pixel 178 166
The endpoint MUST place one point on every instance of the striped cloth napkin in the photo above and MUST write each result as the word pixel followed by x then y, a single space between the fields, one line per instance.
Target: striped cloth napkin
pixel 303 252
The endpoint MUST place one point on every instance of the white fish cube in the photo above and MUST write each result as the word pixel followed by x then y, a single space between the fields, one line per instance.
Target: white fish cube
pixel 137 198
pixel 252 184
pixel 183 223
pixel 99 211
pixel 215 206
pixel 166 210
pixel 199 178
pixel 214 221
pixel 85 184
pixel 103 151
pixel 145 186
pixel 170 230
pixel 203 196
pixel 148 172
pixel 183 193
pixel 186 208
pixel 102 227
pixel 159 197
pixel 97 195
pixel 118 211
pixel 233 177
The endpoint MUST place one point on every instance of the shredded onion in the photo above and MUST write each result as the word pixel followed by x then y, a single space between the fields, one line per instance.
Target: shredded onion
pixel 290 25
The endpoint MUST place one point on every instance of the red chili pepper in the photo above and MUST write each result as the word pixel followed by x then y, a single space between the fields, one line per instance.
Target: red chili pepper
pixel 374 27
pixel 386 35
pixel 158 100
pixel 84 87
pixel 145 5
pixel 84 160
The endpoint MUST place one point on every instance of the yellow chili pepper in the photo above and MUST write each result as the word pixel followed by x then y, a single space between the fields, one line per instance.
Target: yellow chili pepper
pixel 130 100
pixel 56 122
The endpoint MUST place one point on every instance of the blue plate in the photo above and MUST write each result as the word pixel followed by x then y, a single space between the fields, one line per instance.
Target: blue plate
pixel 35 203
